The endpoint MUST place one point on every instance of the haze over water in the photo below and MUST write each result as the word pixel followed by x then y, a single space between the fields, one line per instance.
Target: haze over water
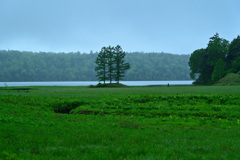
pixel 171 26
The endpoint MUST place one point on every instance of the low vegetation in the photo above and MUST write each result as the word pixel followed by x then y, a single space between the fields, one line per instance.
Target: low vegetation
pixel 177 122
pixel 230 79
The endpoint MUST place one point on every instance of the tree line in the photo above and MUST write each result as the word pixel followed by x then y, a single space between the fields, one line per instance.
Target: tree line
pixel 208 65
pixel 76 66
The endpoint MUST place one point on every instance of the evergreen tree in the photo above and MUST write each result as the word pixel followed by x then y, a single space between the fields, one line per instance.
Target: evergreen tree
pixel 110 62
pixel 101 63
pixel 120 65
pixel 217 49
pixel 233 56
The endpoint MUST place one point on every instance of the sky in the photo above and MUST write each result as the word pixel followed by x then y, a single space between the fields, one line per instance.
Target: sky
pixel 170 26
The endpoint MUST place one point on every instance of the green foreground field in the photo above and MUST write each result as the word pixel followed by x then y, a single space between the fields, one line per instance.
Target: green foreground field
pixel 158 122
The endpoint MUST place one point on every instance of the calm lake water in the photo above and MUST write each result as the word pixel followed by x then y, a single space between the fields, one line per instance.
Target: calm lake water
pixel 87 83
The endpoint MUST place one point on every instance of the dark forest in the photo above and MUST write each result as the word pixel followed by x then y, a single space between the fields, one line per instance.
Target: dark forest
pixel 42 66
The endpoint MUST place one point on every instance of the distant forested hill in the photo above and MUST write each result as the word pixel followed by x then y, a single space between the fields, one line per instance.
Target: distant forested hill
pixel 29 66
pixel 157 66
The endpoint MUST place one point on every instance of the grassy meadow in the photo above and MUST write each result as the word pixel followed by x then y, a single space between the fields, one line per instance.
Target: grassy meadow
pixel 154 122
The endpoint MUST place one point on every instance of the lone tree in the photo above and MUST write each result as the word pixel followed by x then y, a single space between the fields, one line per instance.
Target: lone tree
pixel 110 64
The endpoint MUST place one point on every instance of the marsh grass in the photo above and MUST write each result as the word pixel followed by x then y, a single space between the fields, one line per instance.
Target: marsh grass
pixel 177 122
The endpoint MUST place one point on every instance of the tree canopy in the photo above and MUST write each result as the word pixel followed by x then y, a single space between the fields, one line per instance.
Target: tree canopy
pixel 210 64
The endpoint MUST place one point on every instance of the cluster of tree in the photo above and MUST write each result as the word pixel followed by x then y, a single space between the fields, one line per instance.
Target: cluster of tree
pixel 209 65
pixel 111 64
pixel 45 66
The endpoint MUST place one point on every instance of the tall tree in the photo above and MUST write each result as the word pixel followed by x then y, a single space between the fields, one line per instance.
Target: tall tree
pixel 120 65
pixel 199 67
pixel 236 65
pixel 196 62
pixel 110 62
pixel 101 63
pixel 217 49
pixel 233 57
pixel 219 70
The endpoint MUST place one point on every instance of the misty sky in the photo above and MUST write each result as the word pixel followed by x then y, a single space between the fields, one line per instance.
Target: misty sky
pixel 172 26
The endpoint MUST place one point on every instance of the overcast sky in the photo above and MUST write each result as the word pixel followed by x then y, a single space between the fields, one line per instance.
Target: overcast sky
pixel 172 26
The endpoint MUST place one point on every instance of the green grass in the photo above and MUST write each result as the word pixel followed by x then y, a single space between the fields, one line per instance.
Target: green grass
pixel 230 79
pixel 176 122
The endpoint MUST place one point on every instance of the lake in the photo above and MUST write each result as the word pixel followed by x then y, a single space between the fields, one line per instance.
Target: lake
pixel 87 83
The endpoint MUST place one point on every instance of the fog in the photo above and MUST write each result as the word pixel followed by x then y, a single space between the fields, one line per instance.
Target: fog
pixel 148 25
